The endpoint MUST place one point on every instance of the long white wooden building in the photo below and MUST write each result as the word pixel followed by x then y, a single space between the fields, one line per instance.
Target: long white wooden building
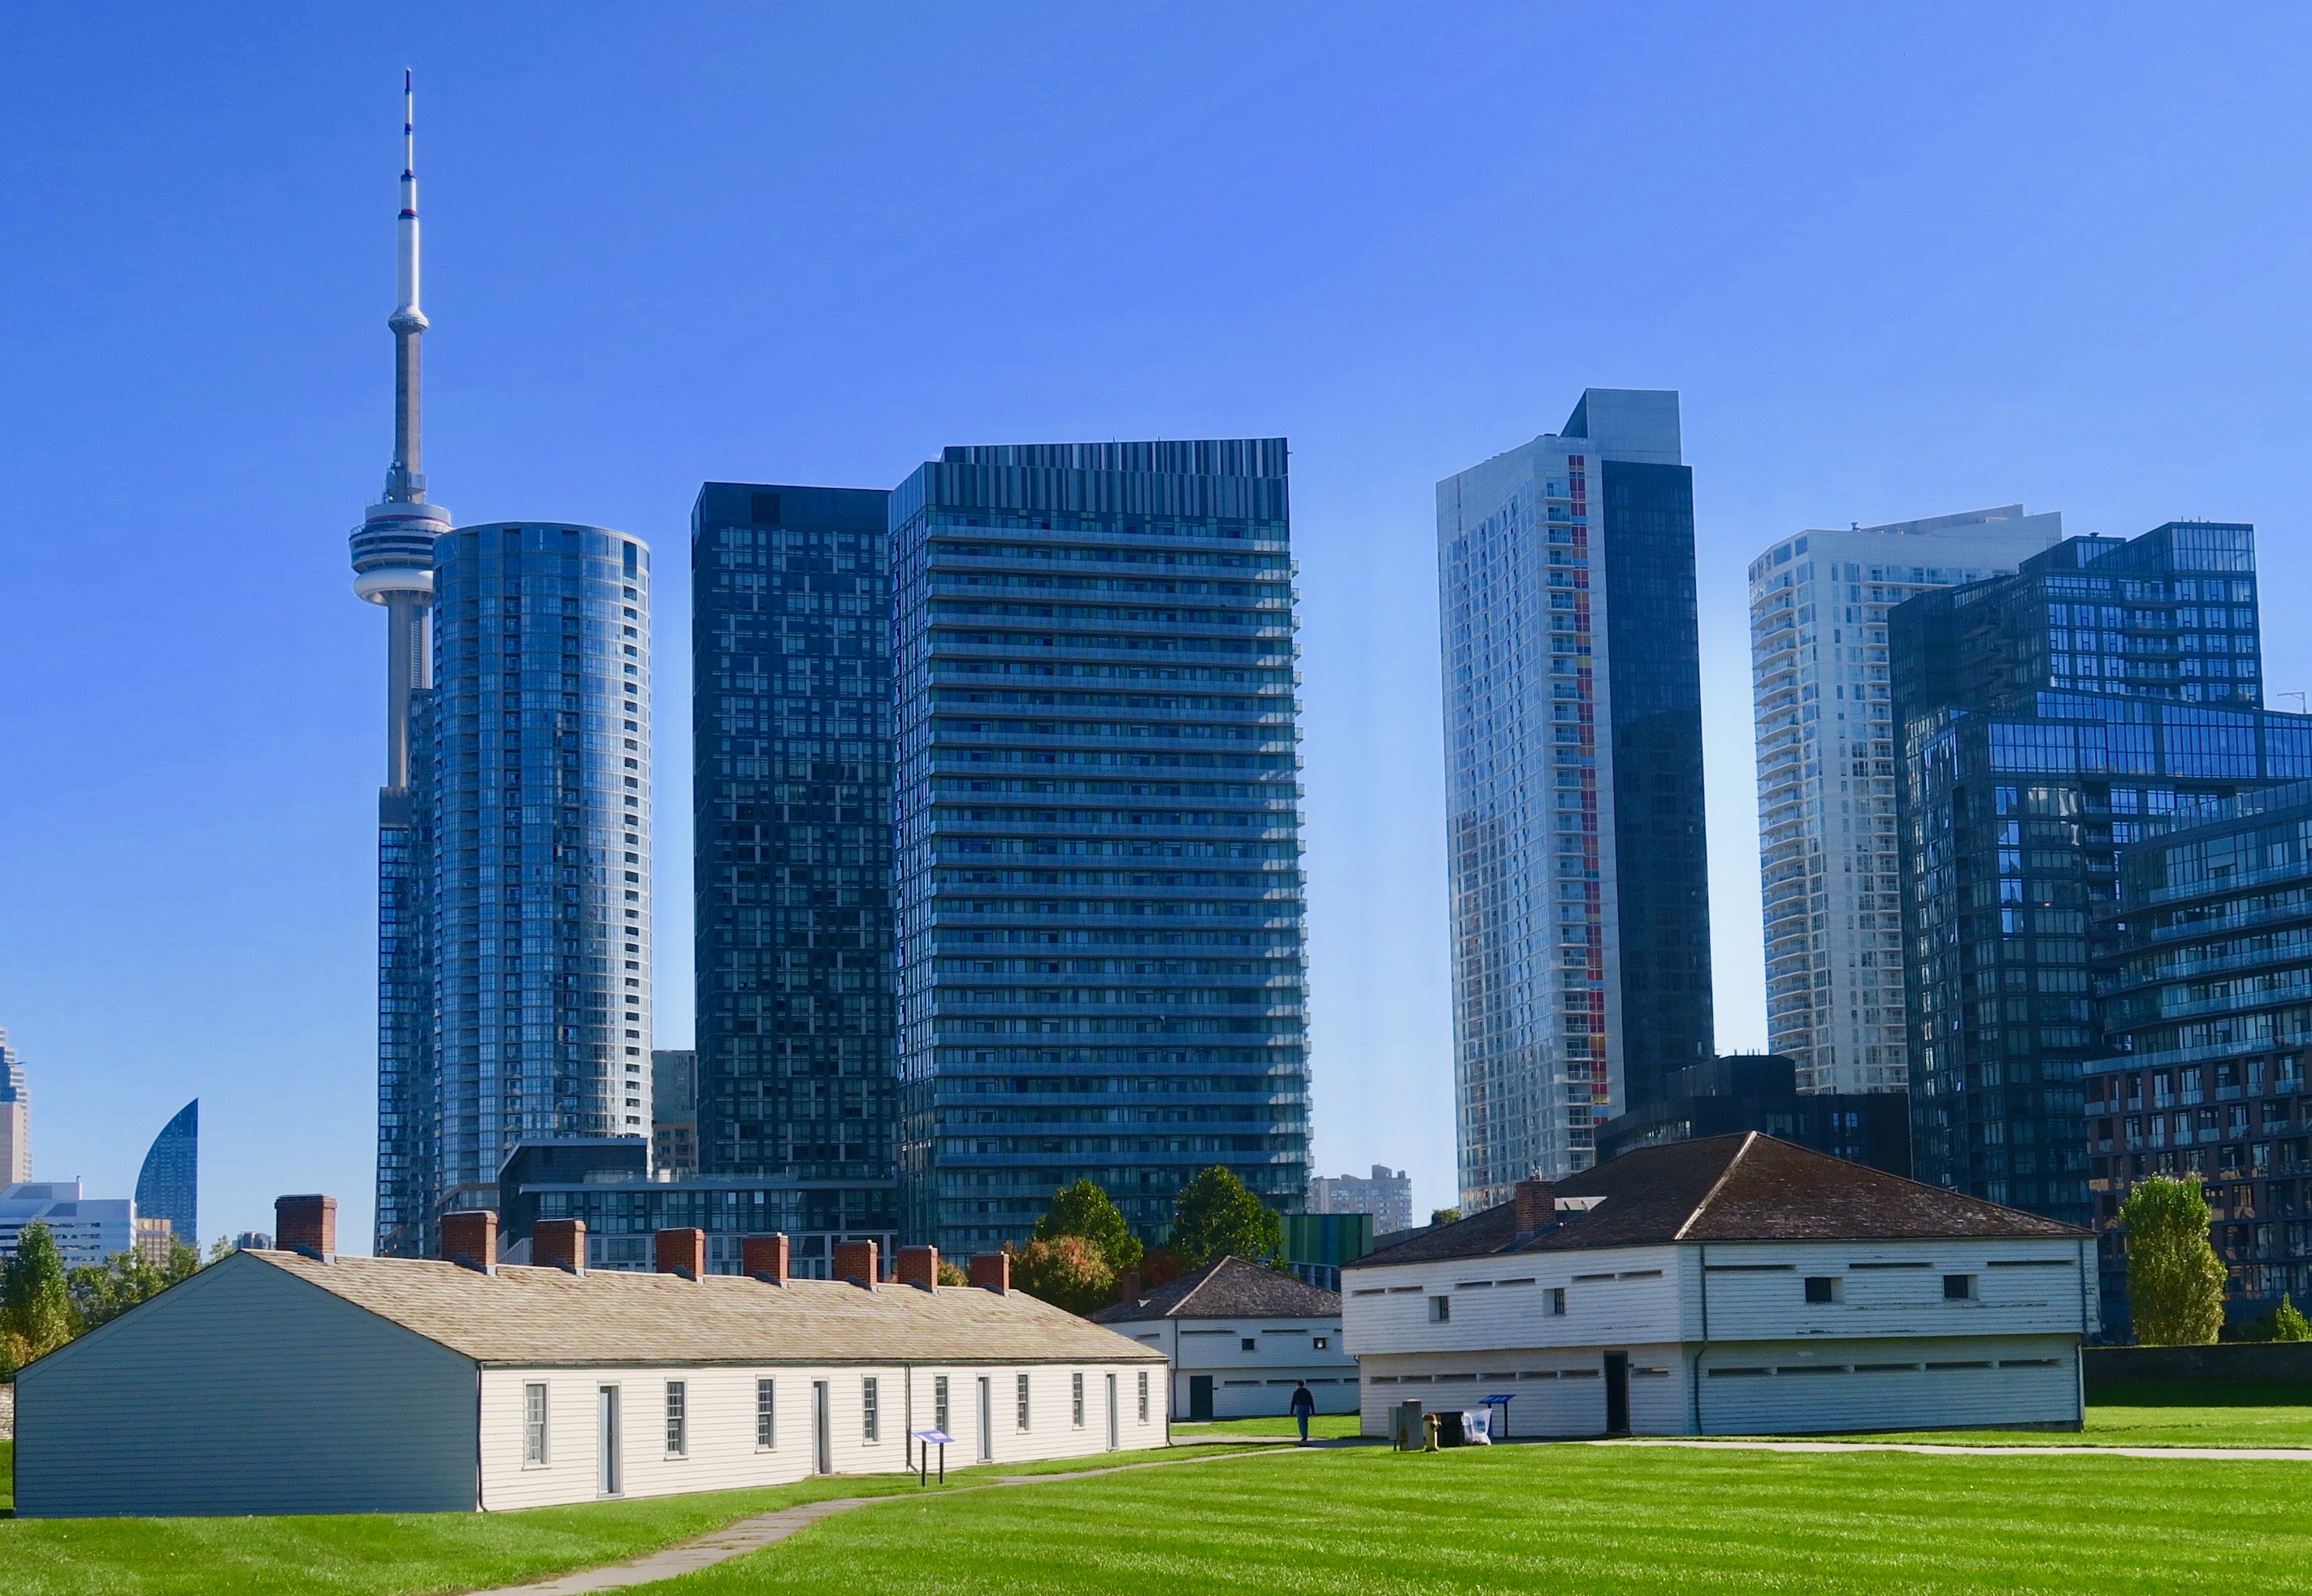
pixel 1240 1338
pixel 1730 1285
pixel 294 1382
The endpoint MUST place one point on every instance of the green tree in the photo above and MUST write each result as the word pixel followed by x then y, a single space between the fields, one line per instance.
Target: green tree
pixel 35 1307
pixel 2174 1280
pixel 2289 1323
pixel 1443 1216
pixel 952 1274
pixel 1218 1217
pixel 1067 1272
pixel 1085 1209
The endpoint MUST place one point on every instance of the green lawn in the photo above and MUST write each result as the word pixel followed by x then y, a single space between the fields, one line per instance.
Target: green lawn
pixel 394 1554
pixel 1330 1426
pixel 1574 1519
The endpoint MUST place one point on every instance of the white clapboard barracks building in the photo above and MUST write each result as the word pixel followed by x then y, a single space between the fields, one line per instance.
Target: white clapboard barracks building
pixel 1240 1337
pixel 1735 1285
pixel 301 1382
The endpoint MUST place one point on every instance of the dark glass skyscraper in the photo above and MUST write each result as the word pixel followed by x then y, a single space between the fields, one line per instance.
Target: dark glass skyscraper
pixel 790 637
pixel 168 1185
pixel 1575 854
pixel 1098 874
pixel 539 801
pixel 2105 693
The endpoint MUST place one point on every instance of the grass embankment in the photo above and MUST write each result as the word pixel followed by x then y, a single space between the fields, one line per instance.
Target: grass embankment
pixel 2184 1412
pixel 1576 1518
pixel 402 1554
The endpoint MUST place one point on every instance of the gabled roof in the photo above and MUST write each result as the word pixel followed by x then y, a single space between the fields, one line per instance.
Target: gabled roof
pixel 1743 1188
pixel 1232 1288
pixel 537 1316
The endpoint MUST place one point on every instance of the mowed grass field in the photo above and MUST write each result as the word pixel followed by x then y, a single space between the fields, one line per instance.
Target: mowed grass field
pixel 1573 1519
pixel 2195 1413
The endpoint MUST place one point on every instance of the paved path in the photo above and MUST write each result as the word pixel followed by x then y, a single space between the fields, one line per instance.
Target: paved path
pixel 767 1529
pixel 2284 1454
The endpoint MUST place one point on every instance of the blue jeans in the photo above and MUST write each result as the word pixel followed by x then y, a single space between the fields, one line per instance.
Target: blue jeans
pixel 1302 1420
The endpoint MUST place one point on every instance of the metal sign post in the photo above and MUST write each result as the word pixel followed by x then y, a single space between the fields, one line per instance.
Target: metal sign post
pixel 1503 1404
pixel 932 1438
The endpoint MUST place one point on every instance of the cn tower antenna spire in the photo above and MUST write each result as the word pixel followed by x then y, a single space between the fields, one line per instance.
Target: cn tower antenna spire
pixel 405 482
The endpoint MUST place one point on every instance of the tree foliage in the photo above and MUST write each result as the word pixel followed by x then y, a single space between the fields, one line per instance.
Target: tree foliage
pixel 952 1274
pixel 106 1291
pixel 1066 1271
pixel 1218 1217
pixel 1443 1216
pixel 35 1307
pixel 2174 1280
pixel 1086 1210
pixel 2289 1323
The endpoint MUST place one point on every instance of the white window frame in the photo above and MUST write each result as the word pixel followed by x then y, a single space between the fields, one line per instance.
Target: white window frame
pixel 767 1415
pixel 678 1418
pixel 1144 1396
pixel 871 1410
pixel 939 1405
pixel 1554 1301
pixel 536 1433
pixel 1078 1409
pixel 1440 1310
pixel 1024 1415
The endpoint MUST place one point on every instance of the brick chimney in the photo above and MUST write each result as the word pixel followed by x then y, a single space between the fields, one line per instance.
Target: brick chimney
pixel 766 1257
pixel 558 1244
pixel 855 1261
pixel 306 1225
pixel 1128 1286
pixel 992 1270
pixel 919 1266
pixel 470 1236
pixel 681 1252
pixel 1536 1205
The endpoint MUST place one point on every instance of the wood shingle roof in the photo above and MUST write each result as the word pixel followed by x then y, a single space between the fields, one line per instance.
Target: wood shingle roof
pixel 545 1316
pixel 1747 1186
pixel 1230 1288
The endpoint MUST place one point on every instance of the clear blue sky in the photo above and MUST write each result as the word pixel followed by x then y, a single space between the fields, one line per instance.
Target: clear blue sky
pixel 1899 260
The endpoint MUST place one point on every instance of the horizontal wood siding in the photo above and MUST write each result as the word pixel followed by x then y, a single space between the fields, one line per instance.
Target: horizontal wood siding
pixel 2017 1380
pixel 2023 1288
pixel 1630 1295
pixel 720 1404
pixel 1554 1393
pixel 1255 1384
pixel 245 1390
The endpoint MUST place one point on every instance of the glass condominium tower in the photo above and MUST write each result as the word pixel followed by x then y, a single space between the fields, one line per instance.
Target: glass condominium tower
pixel 1829 864
pixel 1575 856
pixel 539 803
pixel 791 641
pixel 1098 832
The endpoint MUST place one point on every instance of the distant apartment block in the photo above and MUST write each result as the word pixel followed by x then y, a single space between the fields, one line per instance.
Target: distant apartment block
pixel 1387 1196
pixel 1826 749
pixel 2106 693
pixel 254 1240
pixel 1577 871
pixel 168 1185
pixel 15 1117
pixel 674 1111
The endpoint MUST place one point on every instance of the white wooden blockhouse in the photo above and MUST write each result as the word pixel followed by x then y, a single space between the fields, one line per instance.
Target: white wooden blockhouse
pixel 1730 1285
pixel 1240 1337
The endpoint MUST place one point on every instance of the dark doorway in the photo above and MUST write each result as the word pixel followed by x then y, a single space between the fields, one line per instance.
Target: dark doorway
pixel 1200 1399
pixel 1617 1393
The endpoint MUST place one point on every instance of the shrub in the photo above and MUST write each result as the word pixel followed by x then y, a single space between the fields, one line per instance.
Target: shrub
pixel 2174 1280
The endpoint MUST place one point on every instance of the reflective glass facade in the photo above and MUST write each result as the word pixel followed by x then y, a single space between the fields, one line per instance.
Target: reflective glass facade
pixel 1830 865
pixel 2204 975
pixel 169 1183
pixel 1575 857
pixel 538 796
pixel 792 783
pixel 1098 872
pixel 2103 694
pixel 409 1112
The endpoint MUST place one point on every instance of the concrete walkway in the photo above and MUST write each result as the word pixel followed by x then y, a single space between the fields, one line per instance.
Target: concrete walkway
pixel 768 1528
pixel 2281 1454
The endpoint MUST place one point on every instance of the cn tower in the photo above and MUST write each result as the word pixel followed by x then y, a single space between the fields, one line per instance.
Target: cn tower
pixel 393 548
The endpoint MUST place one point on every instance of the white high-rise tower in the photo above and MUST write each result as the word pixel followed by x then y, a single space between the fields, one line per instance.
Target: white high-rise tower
pixel 1826 773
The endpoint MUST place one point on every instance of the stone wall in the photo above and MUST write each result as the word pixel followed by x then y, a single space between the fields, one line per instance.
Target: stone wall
pixel 2231 1360
pixel 7 1411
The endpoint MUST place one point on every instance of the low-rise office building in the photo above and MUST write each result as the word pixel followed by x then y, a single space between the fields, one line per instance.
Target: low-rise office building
pixel 1730 1285
pixel 87 1230
pixel 301 1382
pixel 1240 1337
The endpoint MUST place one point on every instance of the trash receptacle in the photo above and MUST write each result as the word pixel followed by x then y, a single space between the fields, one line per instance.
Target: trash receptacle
pixel 1404 1427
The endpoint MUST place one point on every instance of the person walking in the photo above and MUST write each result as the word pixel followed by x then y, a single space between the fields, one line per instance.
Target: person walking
pixel 1304 1405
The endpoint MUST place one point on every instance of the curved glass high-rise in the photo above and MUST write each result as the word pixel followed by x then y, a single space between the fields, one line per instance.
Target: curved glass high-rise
pixel 168 1185
pixel 539 814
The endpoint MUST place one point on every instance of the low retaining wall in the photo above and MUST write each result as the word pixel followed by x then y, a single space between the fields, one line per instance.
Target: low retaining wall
pixel 8 1411
pixel 2227 1360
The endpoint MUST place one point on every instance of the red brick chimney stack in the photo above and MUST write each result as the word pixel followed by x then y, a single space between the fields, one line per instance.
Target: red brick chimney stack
pixel 992 1270
pixel 307 1225
pixel 558 1244
pixel 470 1236
pixel 1536 1205
pixel 919 1266
pixel 766 1257
pixel 855 1261
pixel 681 1252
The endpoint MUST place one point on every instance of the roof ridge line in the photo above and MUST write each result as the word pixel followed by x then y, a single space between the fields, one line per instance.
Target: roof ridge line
pixel 1749 1140
pixel 1212 1273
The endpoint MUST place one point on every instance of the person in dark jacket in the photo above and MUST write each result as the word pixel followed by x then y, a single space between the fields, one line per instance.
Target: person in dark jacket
pixel 1304 1405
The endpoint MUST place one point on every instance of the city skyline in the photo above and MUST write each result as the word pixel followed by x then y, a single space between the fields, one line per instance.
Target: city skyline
pixel 162 950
